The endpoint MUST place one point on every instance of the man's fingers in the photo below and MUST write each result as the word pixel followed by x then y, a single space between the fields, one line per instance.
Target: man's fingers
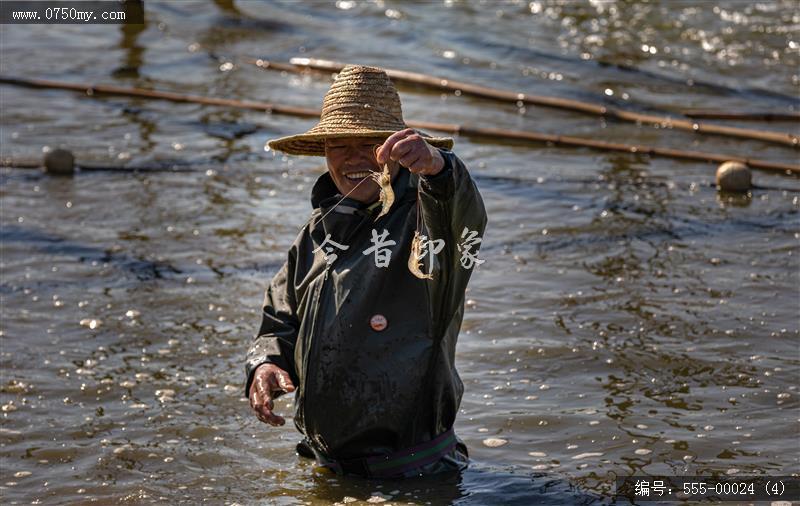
pixel 403 149
pixel 261 398
pixel 262 403
pixel 271 383
pixel 410 161
pixel 269 417
pixel 257 392
pixel 267 387
pixel 255 398
pixel 285 382
pixel 263 407
pixel 413 153
pixel 261 383
pixel 383 153
pixel 279 383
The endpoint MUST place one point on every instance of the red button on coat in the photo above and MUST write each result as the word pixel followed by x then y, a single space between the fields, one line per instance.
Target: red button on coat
pixel 378 322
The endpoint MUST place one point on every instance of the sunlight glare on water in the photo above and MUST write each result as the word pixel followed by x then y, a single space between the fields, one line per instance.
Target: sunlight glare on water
pixel 628 318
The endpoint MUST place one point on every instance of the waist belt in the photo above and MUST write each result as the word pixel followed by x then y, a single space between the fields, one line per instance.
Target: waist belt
pixel 394 464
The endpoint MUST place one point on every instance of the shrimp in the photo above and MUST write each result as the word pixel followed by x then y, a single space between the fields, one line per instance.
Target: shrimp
pixel 415 257
pixel 384 180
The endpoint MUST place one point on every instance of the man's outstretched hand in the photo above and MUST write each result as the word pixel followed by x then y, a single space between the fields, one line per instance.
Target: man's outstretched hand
pixel 269 383
pixel 410 149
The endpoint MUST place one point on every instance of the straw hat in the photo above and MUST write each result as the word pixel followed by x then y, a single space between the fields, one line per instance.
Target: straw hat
pixel 362 102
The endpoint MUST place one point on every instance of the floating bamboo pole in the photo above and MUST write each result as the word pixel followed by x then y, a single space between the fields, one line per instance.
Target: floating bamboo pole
pixel 92 89
pixel 31 163
pixel 564 140
pixel 439 83
pixel 690 113
pixel 492 133
pixel 742 116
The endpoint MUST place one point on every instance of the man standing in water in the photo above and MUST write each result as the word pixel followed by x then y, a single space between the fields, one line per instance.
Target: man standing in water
pixel 366 340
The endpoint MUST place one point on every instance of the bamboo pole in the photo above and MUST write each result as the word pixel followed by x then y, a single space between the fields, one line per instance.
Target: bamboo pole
pixel 92 89
pixel 439 83
pixel 11 163
pixel 742 116
pixel 690 113
pixel 565 140
pixel 456 129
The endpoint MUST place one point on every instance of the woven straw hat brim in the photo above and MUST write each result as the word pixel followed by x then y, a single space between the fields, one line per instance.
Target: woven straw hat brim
pixel 362 102
pixel 313 144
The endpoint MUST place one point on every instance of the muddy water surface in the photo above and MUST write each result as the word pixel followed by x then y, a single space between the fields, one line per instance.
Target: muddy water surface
pixel 628 318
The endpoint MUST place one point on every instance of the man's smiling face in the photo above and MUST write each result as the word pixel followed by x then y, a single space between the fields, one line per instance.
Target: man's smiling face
pixel 350 160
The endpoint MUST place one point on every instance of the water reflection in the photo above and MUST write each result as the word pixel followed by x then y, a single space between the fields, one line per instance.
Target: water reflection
pixel 734 199
pixel 480 484
pixel 129 43
pixel 233 24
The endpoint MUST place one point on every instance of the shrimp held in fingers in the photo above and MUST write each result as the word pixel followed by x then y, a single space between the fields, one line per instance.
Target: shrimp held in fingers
pixel 384 180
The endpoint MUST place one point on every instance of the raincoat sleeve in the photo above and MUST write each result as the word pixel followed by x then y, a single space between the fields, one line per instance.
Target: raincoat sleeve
pixel 277 335
pixel 452 210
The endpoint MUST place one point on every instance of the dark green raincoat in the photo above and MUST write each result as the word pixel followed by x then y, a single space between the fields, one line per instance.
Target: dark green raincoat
pixel 363 392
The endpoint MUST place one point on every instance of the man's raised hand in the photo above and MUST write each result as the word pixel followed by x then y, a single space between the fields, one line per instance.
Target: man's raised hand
pixel 410 149
pixel 269 383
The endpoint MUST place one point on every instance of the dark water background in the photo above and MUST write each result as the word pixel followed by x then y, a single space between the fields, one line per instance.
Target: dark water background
pixel 628 318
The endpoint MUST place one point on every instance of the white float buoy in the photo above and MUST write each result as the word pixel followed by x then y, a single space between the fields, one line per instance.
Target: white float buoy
pixel 734 177
pixel 494 442
pixel 59 161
